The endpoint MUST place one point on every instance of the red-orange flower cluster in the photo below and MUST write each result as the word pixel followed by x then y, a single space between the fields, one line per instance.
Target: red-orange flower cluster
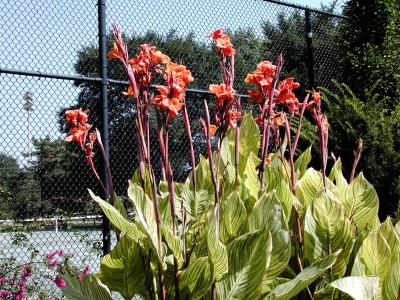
pixel 172 97
pixel 262 77
pixel 286 95
pixel 225 95
pixel 77 119
pixel 315 104
pixel 145 61
pixel 223 43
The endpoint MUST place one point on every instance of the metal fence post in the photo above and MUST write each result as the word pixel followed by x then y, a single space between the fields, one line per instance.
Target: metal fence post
pixel 103 105
pixel 309 50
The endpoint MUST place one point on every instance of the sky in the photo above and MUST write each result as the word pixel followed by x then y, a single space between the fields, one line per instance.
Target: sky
pixel 46 35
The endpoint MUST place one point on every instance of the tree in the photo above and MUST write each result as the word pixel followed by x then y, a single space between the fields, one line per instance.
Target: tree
pixel 18 190
pixel 370 47
pixel 368 108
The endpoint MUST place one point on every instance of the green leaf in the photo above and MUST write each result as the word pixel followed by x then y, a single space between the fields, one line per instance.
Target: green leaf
pixel 216 250
pixel 148 184
pixel 336 175
pixel 250 175
pixel 268 213
pixel 377 252
pixel 398 228
pixel 361 202
pixel 306 277
pixel 360 288
pixel 310 185
pixel 302 162
pixel 117 219
pixel 326 230
pixel 122 270
pixel 173 243
pixel 249 136
pixel 197 279
pixel 391 284
pixel 145 214
pixel 198 203
pixel 248 259
pixel 233 216
pixel 89 288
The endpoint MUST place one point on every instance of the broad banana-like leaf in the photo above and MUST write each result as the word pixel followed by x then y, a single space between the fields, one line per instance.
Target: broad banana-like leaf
pixel 398 228
pixel 147 184
pixel 164 203
pixel 216 250
pixel 119 205
pixel 197 279
pixel 269 284
pixel 309 185
pixel 249 136
pixel 336 175
pixel 227 161
pixel 268 213
pixel 248 257
pixel 123 271
pixel 89 288
pixel 199 202
pixel 327 230
pixel 233 217
pixel 391 284
pixel 302 162
pixel 118 220
pixel 250 175
pixel 144 207
pixel 377 252
pixel 306 277
pixel 361 202
pixel 284 193
pixel 173 243
pixel 359 288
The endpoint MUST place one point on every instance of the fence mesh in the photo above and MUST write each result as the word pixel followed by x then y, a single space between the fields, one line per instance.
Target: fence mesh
pixel 43 180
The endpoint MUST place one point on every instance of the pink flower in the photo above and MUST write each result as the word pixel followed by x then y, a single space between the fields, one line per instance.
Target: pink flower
pixel 2 280
pixel 86 270
pixel 79 277
pixel 4 293
pixel 60 282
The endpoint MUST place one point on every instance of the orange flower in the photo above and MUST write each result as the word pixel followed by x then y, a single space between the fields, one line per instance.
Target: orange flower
pixel 269 158
pixel 115 52
pixel 266 68
pixel 279 119
pixel 286 95
pixel 224 94
pixel 233 116
pixel 216 34
pixel 212 129
pixel 78 134
pixel 223 43
pixel 255 95
pixel 145 61
pixel 172 97
pixel 76 117
pixel 179 72
pixel 225 46
pixel 315 104
pixel 262 76
pixel 129 92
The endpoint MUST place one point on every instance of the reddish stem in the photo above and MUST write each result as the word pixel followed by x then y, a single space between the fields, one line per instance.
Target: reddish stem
pixel 356 159
pixel 192 156
pixel 209 153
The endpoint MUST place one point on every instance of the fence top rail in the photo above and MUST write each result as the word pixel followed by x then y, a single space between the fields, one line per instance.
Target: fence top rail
pixel 306 8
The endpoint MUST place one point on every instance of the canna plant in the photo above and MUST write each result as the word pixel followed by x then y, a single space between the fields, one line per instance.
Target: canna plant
pixel 251 221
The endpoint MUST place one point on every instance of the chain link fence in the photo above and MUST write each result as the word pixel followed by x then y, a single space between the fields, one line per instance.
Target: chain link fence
pixel 50 58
